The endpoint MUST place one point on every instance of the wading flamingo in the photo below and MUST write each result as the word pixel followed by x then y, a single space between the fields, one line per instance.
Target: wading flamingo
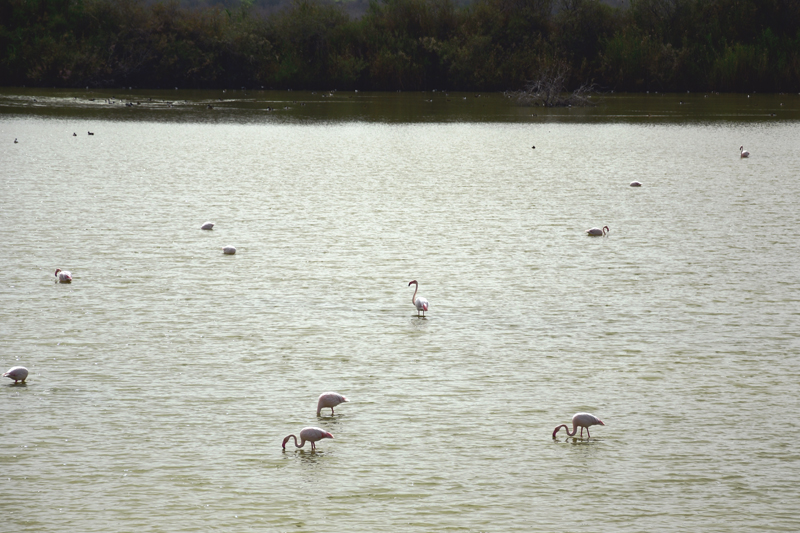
pixel 420 303
pixel 743 153
pixel 63 276
pixel 597 232
pixel 584 420
pixel 229 250
pixel 17 373
pixel 330 399
pixel 311 435
pixel 207 225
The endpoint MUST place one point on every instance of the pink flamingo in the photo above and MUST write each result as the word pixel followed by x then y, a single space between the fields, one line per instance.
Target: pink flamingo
pixel 330 399
pixel 17 373
pixel 420 303
pixel 311 435
pixel 63 276
pixel 743 153
pixel 584 420
pixel 597 232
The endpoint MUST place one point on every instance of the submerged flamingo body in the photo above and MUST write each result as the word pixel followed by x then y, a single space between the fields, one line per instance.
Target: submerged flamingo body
pixel 207 225
pixel 597 232
pixel 582 420
pixel 17 373
pixel 311 435
pixel 420 303
pixel 330 399
pixel 63 276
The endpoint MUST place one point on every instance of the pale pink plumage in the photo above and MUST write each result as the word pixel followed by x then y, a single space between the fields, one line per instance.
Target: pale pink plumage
pixel 329 399
pixel 311 435
pixel 743 153
pixel 420 303
pixel 17 373
pixel 63 276
pixel 582 420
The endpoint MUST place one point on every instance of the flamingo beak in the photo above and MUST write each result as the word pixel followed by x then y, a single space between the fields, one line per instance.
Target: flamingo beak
pixel 329 436
pixel 600 422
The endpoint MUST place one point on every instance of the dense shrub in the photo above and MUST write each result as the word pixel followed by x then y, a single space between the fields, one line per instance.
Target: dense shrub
pixel 726 45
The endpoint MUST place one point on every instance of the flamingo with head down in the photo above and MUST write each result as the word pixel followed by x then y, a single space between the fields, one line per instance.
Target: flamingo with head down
pixel 420 303
pixel 311 435
pixel 330 399
pixel 63 276
pixel 582 420
pixel 17 373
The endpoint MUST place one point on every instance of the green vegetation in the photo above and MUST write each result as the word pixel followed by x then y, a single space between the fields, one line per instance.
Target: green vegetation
pixel 662 45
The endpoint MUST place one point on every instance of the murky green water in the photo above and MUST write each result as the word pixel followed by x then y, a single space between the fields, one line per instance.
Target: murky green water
pixel 164 378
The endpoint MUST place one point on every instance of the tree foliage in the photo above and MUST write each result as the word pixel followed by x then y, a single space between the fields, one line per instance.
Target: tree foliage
pixel 667 45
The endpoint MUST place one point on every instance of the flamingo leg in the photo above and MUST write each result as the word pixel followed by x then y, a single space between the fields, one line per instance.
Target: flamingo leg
pixel 313 448
pixel 588 435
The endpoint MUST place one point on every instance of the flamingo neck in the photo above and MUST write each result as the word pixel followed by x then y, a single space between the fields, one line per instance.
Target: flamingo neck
pixel 414 298
pixel 566 428
pixel 302 442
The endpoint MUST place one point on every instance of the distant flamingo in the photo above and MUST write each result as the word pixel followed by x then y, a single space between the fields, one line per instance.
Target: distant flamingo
pixel 743 153
pixel 63 276
pixel 17 373
pixel 420 303
pixel 311 435
pixel 229 250
pixel 207 225
pixel 636 184
pixel 330 399
pixel 597 232
pixel 584 420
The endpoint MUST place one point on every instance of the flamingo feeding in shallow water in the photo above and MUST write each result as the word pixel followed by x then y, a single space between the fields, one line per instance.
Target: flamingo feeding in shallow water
pixel 584 420
pixel 17 373
pixel 63 276
pixel 311 435
pixel 743 153
pixel 597 232
pixel 420 303
pixel 329 399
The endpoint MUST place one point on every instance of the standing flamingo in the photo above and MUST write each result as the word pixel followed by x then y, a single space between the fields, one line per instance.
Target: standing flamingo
pixel 330 399
pixel 17 373
pixel 63 276
pixel 743 153
pixel 420 303
pixel 311 435
pixel 584 420
pixel 597 232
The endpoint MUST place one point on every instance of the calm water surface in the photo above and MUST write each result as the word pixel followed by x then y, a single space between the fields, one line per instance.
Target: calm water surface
pixel 164 378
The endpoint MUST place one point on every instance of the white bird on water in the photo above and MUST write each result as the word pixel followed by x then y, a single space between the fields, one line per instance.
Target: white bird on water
pixel 17 373
pixel 582 420
pixel 311 435
pixel 63 276
pixel 743 153
pixel 420 303
pixel 207 225
pixel 229 250
pixel 597 232
pixel 330 399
